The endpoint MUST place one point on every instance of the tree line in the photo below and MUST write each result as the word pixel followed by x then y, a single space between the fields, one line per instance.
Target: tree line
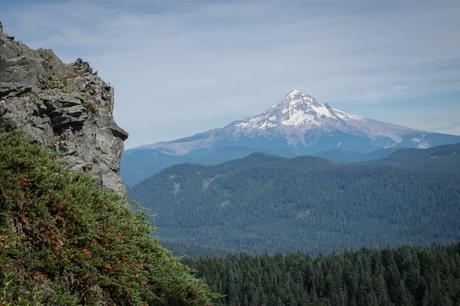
pixel 406 275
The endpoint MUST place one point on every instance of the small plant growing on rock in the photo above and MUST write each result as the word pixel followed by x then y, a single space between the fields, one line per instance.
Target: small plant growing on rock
pixel 46 54
pixel 88 102
pixel 30 95
pixel 53 82
pixel 50 82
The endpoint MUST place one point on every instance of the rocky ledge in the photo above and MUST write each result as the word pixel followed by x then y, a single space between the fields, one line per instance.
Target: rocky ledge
pixel 66 107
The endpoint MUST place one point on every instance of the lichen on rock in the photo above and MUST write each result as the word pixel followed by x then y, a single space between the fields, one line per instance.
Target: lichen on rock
pixel 66 107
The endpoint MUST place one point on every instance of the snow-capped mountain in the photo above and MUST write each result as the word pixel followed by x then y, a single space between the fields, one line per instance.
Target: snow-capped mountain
pixel 299 124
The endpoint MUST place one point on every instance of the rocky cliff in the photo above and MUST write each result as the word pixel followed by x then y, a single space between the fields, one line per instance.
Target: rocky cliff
pixel 66 107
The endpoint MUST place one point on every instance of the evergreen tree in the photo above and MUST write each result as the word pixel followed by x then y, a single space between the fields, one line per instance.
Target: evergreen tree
pixel 401 276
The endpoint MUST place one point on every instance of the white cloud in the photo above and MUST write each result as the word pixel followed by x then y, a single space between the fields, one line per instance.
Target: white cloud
pixel 183 66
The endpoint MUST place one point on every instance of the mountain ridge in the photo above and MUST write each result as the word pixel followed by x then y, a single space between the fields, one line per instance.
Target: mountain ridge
pixel 297 125
pixel 269 203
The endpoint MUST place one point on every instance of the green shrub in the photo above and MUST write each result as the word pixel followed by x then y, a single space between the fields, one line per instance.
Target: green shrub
pixel 53 82
pixel 64 241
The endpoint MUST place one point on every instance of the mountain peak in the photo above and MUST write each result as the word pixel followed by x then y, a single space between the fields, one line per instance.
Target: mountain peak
pixel 296 109
pixel 296 96
pixel 297 125
pixel 298 100
pixel 294 92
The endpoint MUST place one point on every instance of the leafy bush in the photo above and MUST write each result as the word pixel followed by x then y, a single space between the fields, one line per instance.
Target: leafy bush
pixel 64 241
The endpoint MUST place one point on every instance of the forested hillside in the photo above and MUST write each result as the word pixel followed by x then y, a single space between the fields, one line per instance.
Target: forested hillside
pixel 66 241
pixel 444 158
pixel 403 276
pixel 267 203
pixel 181 250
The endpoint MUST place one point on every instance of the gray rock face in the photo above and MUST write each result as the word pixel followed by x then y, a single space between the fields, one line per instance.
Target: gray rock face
pixel 68 108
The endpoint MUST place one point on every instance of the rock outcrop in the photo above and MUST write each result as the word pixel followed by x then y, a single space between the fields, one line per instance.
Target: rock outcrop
pixel 66 107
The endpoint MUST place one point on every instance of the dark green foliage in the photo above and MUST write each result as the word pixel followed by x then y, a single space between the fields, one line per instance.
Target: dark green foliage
pixel 64 241
pixel 346 157
pixel 266 203
pixel 439 159
pixel 402 276
pixel 180 249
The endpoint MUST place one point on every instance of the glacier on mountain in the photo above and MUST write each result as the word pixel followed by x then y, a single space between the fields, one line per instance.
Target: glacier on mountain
pixel 302 121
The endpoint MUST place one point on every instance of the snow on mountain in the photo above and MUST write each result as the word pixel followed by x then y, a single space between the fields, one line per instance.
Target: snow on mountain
pixel 298 112
pixel 298 125
pixel 293 118
pixel 295 110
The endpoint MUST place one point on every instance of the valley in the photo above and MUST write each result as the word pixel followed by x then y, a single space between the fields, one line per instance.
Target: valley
pixel 263 203
pixel 213 181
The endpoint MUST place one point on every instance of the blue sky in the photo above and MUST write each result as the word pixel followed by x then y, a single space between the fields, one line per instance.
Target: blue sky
pixel 180 67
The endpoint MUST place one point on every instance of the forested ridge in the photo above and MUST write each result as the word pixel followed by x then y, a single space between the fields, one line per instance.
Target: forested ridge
pixel 445 159
pixel 406 275
pixel 267 203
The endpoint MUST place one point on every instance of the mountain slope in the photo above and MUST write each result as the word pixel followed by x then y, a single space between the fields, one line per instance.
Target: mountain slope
pixel 265 202
pixel 444 158
pixel 298 125
pixel 66 241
